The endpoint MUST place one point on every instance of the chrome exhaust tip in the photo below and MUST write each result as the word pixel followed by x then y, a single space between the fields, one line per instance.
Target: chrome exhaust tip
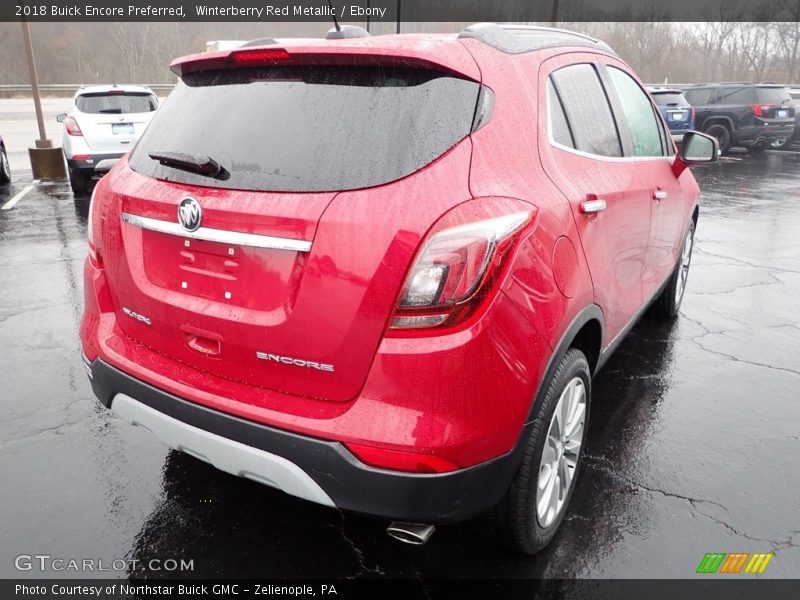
pixel 415 534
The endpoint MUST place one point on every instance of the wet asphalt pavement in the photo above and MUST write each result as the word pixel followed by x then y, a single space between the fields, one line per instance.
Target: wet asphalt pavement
pixel 694 439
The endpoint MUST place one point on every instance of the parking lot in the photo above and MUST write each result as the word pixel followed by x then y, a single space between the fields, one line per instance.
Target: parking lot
pixel 693 440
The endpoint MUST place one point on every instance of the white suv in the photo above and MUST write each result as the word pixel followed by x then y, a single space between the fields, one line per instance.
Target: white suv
pixel 104 124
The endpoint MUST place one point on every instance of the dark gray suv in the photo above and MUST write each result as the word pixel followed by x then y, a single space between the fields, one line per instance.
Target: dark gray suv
pixel 752 115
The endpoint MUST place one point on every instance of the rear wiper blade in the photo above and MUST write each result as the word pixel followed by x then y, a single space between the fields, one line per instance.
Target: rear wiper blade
pixel 201 164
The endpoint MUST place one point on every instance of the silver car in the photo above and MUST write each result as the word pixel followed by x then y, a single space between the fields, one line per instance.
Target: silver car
pixel 103 125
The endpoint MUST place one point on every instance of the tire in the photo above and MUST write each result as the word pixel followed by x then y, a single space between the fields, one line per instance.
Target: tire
pixel 756 149
pixel 517 520
pixel 5 168
pixel 79 182
pixel 668 303
pixel 722 135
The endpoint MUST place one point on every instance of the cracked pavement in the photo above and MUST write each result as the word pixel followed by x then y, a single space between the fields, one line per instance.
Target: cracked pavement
pixel 693 446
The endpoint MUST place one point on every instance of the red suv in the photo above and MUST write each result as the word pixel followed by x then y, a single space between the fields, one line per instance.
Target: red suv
pixel 379 273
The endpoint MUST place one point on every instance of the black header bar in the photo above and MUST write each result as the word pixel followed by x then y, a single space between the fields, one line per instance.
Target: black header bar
pixel 391 11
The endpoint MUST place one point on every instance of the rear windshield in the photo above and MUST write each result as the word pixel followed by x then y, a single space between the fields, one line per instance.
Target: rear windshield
pixel 773 95
pixel 309 128
pixel 116 103
pixel 670 99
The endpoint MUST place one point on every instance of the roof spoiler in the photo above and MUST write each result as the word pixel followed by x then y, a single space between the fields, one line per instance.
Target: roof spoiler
pixel 335 54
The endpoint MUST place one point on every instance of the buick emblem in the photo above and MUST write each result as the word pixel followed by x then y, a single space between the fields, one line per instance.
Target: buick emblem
pixel 190 214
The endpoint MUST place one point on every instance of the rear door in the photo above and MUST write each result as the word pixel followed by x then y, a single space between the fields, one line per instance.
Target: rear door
pixel 583 155
pixel 112 121
pixel 701 98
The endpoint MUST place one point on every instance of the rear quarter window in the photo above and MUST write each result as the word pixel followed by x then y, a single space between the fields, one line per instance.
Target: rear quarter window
pixel 773 95
pixel 309 128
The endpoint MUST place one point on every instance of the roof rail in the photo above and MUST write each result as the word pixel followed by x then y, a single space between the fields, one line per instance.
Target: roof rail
pixel 516 39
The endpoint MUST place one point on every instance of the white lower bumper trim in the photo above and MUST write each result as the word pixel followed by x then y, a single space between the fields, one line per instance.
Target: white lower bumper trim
pixel 106 164
pixel 227 455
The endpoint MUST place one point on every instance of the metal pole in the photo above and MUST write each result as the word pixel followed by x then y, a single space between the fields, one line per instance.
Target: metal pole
pixel 554 14
pixel 399 10
pixel 42 142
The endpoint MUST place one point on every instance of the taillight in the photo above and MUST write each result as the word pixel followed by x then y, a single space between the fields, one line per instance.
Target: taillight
pixel 71 126
pixel 453 269
pixel 94 255
pixel 760 109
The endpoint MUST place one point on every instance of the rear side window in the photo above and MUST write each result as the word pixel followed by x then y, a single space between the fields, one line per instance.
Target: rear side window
pixel 116 103
pixel 699 97
pixel 743 95
pixel 669 99
pixel 587 110
pixel 309 128
pixel 773 95
pixel 639 114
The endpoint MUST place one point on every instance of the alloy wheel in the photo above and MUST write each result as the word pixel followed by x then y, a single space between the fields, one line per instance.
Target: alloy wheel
pixel 561 452
pixel 683 273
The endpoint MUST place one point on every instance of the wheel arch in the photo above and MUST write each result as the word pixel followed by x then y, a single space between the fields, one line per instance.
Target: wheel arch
pixel 585 333
pixel 718 120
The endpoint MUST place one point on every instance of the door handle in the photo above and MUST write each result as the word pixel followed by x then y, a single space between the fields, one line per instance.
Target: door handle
pixel 660 195
pixel 591 207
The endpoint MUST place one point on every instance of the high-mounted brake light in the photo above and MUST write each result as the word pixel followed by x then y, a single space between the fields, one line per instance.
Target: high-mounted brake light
pixel 245 57
pixel 444 283
pixel 260 56
pixel 71 125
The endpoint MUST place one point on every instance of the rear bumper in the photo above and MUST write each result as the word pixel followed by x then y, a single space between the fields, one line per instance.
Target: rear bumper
pixel 97 163
pixel 762 134
pixel 317 470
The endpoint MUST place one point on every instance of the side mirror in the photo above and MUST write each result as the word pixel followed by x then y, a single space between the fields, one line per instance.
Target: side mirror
pixel 695 148
pixel 699 148
pixel 61 117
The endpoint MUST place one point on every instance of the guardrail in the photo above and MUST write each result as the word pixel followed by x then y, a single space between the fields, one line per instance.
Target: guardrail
pixel 65 89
